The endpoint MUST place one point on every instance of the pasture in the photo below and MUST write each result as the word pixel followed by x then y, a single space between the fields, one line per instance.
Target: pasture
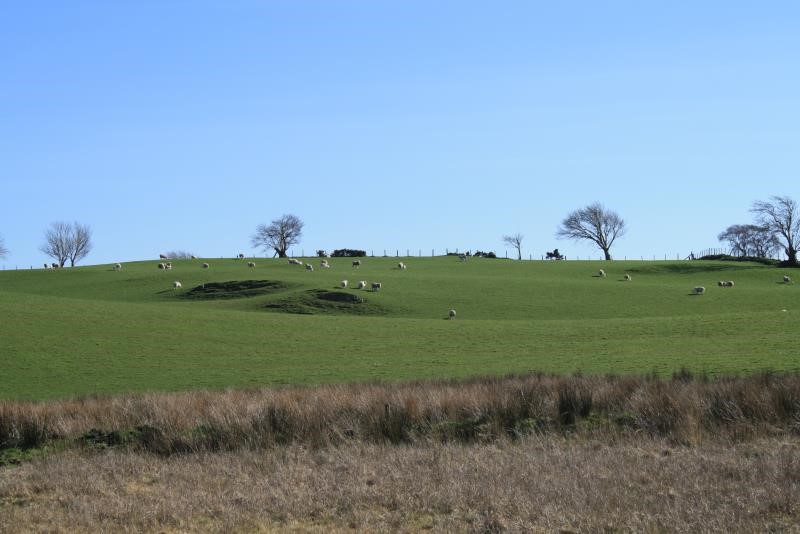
pixel 94 330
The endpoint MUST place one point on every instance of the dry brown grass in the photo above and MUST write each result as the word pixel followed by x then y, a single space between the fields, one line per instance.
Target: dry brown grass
pixel 517 453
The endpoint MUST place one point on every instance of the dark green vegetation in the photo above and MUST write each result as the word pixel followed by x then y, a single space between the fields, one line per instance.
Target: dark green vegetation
pixel 96 330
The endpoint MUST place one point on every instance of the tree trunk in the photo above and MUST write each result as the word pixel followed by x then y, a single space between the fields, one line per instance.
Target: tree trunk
pixel 792 253
pixel 607 253
pixel 281 253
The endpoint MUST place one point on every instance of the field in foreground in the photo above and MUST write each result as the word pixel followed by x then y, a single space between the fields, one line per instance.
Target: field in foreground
pixel 519 454
pixel 95 330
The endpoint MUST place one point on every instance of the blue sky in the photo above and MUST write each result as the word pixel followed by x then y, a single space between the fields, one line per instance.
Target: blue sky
pixel 392 125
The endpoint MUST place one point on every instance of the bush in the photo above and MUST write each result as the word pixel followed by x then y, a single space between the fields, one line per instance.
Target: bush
pixel 727 257
pixel 479 254
pixel 348 253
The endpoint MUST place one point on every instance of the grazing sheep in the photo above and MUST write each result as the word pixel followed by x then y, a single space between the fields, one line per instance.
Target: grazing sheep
pixel 309 267
pixel 726 283
pixel 601 273
pixel 162 265
pixel 627 277
pixel 117 266
pixel 721 283
pixel 176 285
pixel 787 279
pixel 376 286
pixel 730 283
pixel 356 263
pixel 324 264
pixel 168 266
pixel 362 284
pixel 206 266
pixel 343 283
pixel 251 264
pixel 46 266
pixel 293 261
pixel 699 290
pixel 451 314
pixel 402 266
pixel 194 257
pixel 462 257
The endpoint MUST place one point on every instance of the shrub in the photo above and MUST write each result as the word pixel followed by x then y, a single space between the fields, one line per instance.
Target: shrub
pixel 348 253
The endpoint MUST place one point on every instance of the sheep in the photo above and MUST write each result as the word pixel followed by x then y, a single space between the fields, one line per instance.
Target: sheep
pixel 343 283
pixel 251 264
pixel 176 285
pixel 117 266
pixel 601 273
pixel 787 279
pixel 451 314
pixel 55 265
pixel 46 265
pixel 293 261
pixel 362 284
pixel 462 257
pixel 699 290
pixel 730 283
pixel 168 266
pixel 721 283
pixel 356 264
pixel 726 283
pixel 194 257
pixel 402 266
pixel 162 265
pixel 627 277
pixel 376 286
pixel 309 267
pixel 206 266
pixel 324 264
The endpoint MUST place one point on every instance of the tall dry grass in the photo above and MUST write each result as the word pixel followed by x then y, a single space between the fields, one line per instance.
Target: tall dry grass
pixel 683 410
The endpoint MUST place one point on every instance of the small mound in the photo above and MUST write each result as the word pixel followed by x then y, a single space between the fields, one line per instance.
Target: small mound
pixel 234 289
pixel 318 301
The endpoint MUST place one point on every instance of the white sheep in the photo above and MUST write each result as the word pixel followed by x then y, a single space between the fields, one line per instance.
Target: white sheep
pixel 117 266
pixel 462 257
pixel 787 279
pixel 699 290
pixel 376 286
pixel 601 273
pixel 176 285
pixel 309 267
pixel 729 283
pixel 251 264
pixel 293 261
pixel 451 314
pixel 627 277
pixel 356 264
pixel 344 283
pixel 402 266
pixel 162 265
pixel 324 264
pixel 721 283
pixel 362 284
pixel 206 266
pixel 168 266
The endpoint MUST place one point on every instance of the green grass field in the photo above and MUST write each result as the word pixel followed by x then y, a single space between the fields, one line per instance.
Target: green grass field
pixel 95 330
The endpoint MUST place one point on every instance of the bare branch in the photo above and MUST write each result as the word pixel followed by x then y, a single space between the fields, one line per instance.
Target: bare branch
pixel 279 235
pixel 81 242
pixel 64 241
pixel 3 249
pixel 593 223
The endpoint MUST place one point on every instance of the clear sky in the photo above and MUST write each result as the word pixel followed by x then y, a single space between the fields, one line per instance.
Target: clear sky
pixel 167 124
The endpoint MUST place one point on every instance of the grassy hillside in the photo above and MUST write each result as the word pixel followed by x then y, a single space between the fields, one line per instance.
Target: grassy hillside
pixel 96 330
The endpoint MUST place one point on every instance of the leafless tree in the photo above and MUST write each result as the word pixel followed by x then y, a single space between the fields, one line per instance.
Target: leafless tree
pixel 516 242
pixel 749 240
pixel 593 223
pixel 64 241
pixel 81 243
pixel 279 235
pixel 3 249
pixel 780 217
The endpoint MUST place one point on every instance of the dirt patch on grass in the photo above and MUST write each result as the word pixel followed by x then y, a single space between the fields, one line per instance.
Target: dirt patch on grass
pixel 234 289
pixel 316 301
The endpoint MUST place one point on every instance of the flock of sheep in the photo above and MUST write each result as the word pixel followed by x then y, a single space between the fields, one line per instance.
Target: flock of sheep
pixel 698 290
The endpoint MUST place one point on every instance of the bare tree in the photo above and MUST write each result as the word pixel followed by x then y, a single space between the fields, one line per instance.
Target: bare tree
pixel 3 249
pixel 516 242
pixel 279 235
pixel 64 241
pixel 593 223
pixel 780 217
pixel 81 243
pixel 57 242
pixel 749 240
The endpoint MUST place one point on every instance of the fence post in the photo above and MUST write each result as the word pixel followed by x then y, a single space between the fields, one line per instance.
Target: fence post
pixel 432 253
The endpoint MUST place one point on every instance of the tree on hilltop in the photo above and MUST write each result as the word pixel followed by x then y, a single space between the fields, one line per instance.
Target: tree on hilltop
pixel 3 249
pixel 749 240
pixel 279 235
pixel 781 218
pixel 514 241
pixel 64 241
pixel 593 223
